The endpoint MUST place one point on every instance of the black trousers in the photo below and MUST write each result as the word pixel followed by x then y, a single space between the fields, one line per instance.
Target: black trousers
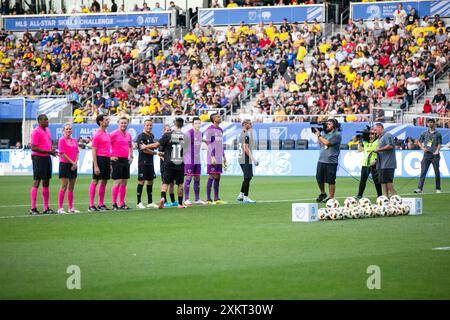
pixel 425 164
pixel 365 172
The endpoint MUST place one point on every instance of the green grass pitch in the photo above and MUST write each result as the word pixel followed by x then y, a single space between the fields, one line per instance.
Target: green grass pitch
pixel 232 251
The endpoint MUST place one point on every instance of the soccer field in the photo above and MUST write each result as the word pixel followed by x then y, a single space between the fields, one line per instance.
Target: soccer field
pixel 232 251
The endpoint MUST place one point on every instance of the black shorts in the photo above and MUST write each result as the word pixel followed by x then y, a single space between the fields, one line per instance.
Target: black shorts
pixel 386 175
pixel 42 167
pixel 146 171
pixel 104 164
pixel 247 169
pixel 66 172
pixel 326 172
pixel 173 174
pixel 120 169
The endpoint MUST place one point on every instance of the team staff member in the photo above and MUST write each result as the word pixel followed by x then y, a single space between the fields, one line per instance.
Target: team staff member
pixel 173 202
pixel 68 159
pixel 329 143
pixel 41 150
pixel 101 161
pixel 369 164
pixel 146 170
pixel 430 142
pixel 246 159
pixel 121 158
pixel 387 162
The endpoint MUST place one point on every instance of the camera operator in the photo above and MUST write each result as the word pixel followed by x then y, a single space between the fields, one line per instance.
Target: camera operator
pixel 386 162
pixel 367 145
pixel 330 143
pixel 430 142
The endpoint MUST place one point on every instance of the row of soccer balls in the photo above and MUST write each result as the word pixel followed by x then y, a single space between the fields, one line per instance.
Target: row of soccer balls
pixel 354 209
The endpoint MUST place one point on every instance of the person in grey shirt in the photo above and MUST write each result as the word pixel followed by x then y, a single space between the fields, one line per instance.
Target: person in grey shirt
pixel 430 142
pixel 246 158
pixel 387 162
pixel 330 143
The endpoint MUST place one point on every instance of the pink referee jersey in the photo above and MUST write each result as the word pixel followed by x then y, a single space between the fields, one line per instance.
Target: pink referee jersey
pixel 102 142
pixel 70 148
pixel 42 139
pixel 120 144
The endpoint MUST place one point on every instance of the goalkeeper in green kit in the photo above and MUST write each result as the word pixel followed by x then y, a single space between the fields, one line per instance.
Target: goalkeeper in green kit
pixel 367 144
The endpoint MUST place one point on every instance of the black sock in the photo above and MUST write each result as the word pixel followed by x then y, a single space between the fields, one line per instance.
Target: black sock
pixel 180 199
pixel 172 197
pixel 243 187
pixel 163 195
pixel 246 186
pixel 149 193
pixel 139 192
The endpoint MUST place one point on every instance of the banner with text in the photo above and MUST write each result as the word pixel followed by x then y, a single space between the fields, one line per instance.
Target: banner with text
pixel 271 163
pixel 383 10
pixel 86 21
pixel 255 15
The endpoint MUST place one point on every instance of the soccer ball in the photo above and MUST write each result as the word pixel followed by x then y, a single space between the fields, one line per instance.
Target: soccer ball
pixel 323 214
pixel 390 210
pixel 332 204
pixel 396 199
pixel 406 209
pixel 332 213
pixel 346 212
pixel 357 213
pixel 375 210
pixel 364 202
pixel 350 202
pixel 367 211
pixel 382 201
pixel 383 211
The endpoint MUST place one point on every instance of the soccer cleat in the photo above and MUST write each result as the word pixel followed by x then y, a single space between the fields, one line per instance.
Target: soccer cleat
pixel 240 199
pixel 73 210
pixel 140 206
pixel 124 207
pixel 161 203
pixel 326 199
pixel 248 200
pixel 210 202
pixel 200 203
pixel 34 212
pixel 49 211
pixel 115 207
pixel 321 197
pixel 418 190
pixel 103 208
pixel 167 205
pixel 358 197
pixel 93 209
pixel 180 206
pixel 438 190
pixel 175 204
pixel 152 206
pixel 188 203
pixel 218 201
pixel 61 211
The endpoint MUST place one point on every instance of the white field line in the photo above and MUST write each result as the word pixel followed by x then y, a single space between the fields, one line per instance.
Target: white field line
pixel 151 210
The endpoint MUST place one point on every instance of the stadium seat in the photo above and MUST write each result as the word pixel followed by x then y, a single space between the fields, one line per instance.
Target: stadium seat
pixel 302 144
pixel 263 145
pixel 288 144
pixel 344 147
pixel 5 143
pixel 354 147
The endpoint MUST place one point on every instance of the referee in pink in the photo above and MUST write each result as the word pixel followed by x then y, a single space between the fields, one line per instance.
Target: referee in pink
pixel 101 159
pixel 41 149
pixel 121 158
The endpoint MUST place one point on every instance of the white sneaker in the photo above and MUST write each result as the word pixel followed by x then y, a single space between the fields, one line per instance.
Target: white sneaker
pixel 438 191
pixel 140 206
pixel 152 206
pixel 188 203
pixel 418 190
pixel 200 203
pixel 73 210
pixel 61 211
pixel 240 199
pixel 248 200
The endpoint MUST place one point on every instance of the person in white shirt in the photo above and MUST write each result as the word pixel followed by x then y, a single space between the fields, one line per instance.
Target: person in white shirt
pixel 399 15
